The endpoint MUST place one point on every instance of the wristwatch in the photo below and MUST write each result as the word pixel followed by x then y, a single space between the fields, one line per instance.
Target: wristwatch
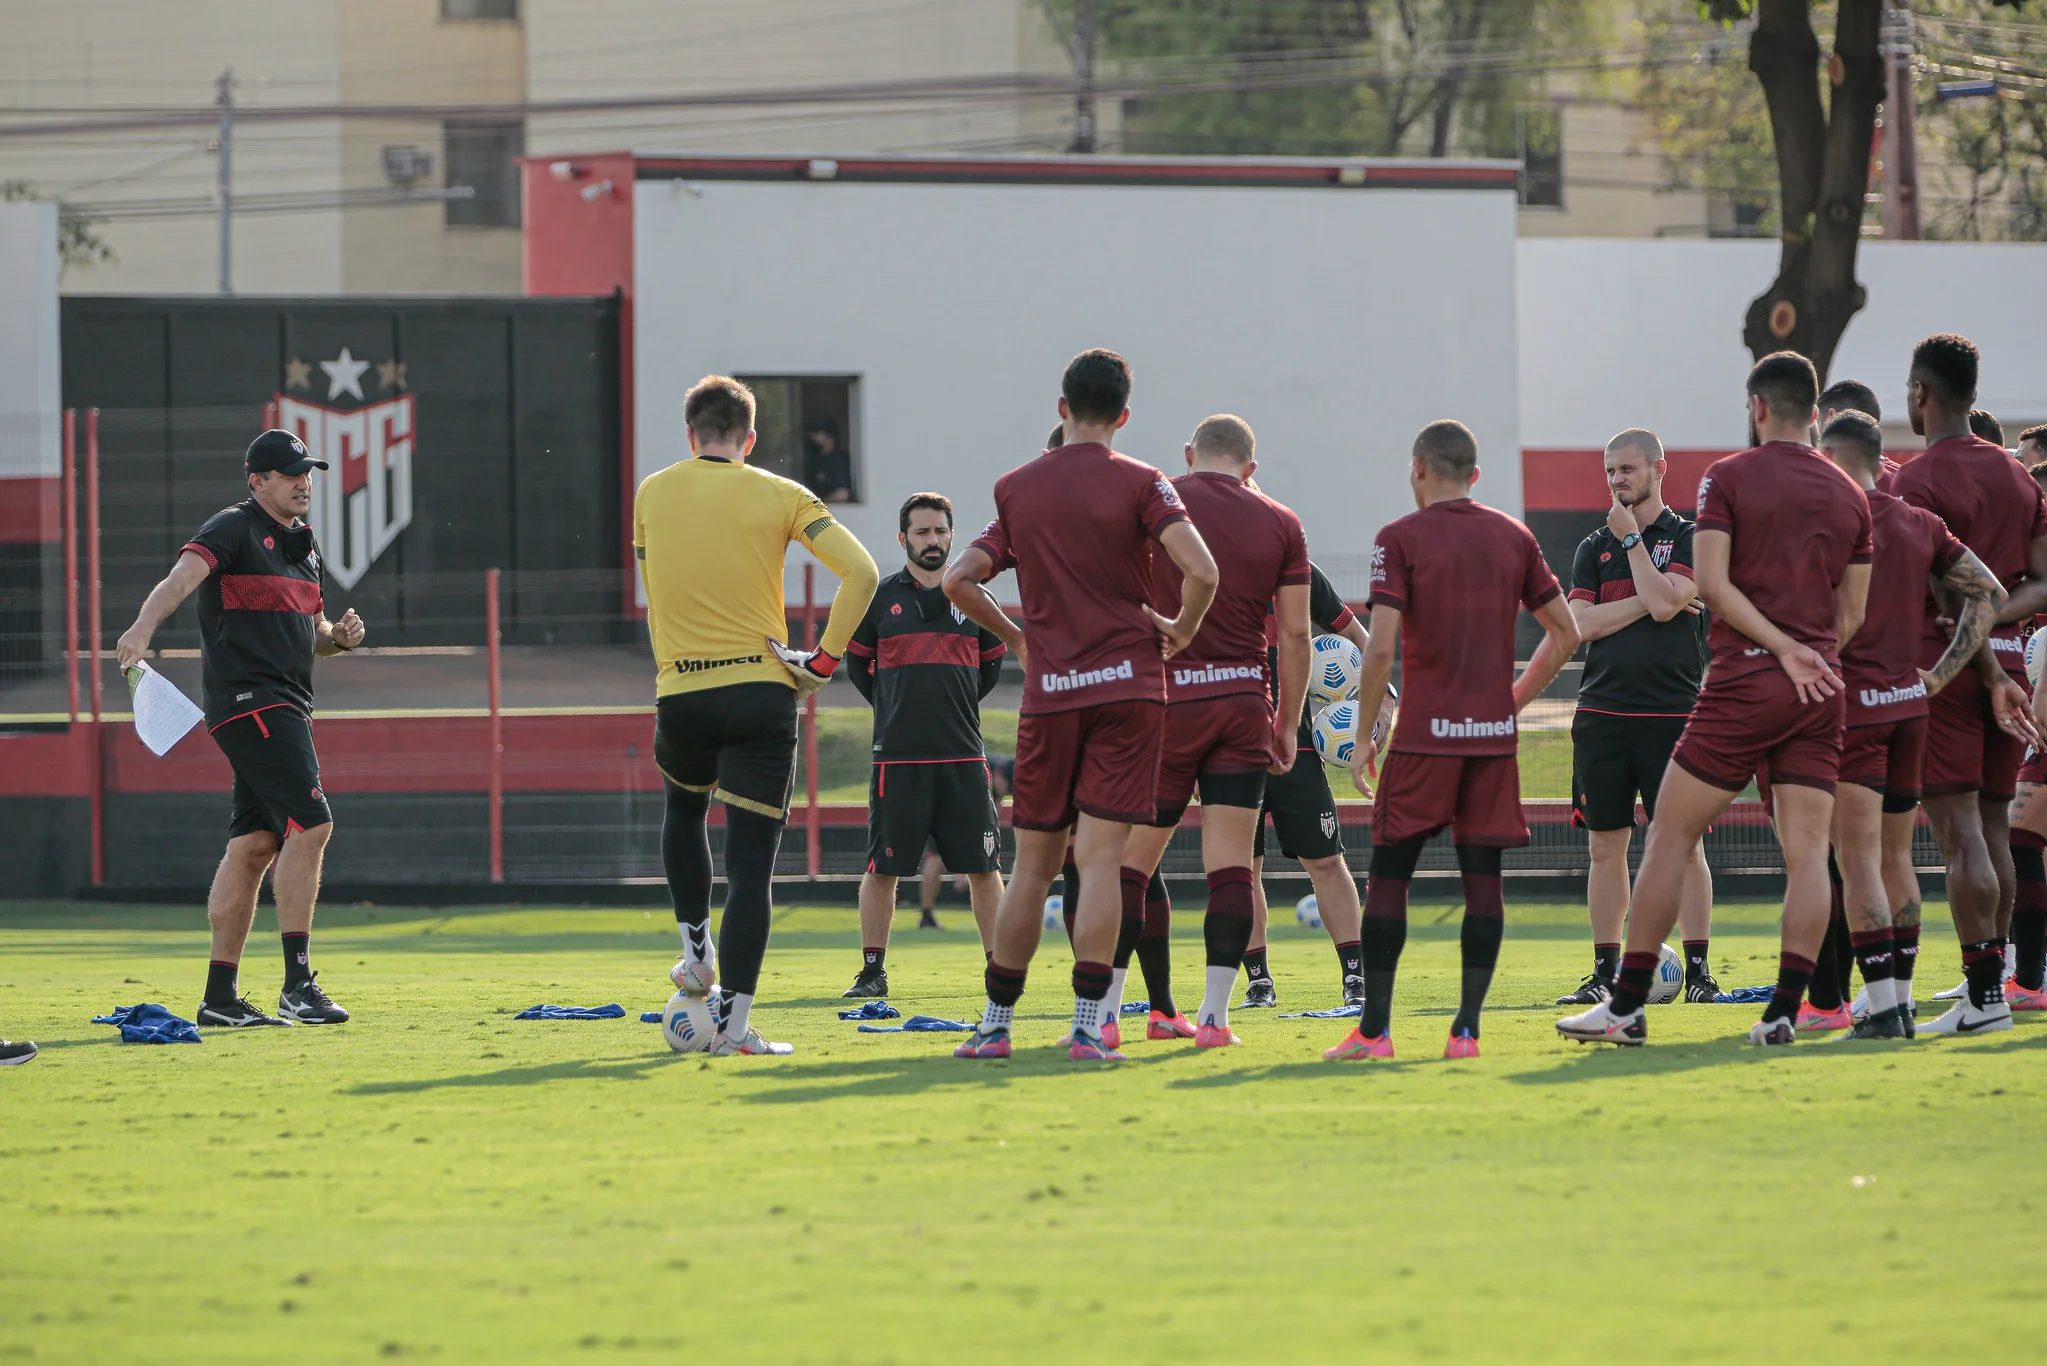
pixel 1630 541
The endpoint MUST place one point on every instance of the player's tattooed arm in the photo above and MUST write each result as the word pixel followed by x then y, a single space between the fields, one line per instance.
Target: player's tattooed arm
pixel 965 586
pixel 1976 597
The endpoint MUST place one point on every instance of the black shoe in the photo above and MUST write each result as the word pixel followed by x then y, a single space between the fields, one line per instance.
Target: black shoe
pixel 1259 995
pixel 1590 992
pixel 1701 989
pixel 1882 1024
pixel 14 1054
pixel 237 1014
pixel 1354 991
pixel 307 1004
pixel 870 983
pixel 928 921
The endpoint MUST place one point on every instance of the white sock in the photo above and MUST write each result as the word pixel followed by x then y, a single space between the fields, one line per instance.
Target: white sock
pixel 1215 1004
pixel 735 1018
pixel 1087 1016
pixel 696 940
pixel 1112 1004
pixel 994 1017
pixel 1883 994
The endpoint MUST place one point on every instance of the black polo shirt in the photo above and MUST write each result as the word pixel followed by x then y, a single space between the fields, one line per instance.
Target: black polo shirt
pixel 258 612
pixel 1648 667
pixel 925 667
pixel 1328 614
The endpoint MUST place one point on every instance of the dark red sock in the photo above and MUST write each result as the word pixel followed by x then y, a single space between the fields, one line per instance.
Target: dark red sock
pixel 1874 954
pixel 1905 943
pixel 1794 974
pixel 2029 912
pixel 1631 983
pixel 1155 946
pixel 1004 984
pixel 1226 929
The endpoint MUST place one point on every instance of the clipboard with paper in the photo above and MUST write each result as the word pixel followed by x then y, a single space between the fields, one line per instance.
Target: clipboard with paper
pixel 163 714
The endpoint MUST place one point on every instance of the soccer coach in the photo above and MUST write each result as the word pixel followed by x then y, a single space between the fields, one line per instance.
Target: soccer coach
pixel 261 622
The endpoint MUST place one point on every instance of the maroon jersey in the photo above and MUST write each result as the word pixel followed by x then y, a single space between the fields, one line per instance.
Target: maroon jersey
pixel 1797 524
pixel 1259 547
pixel 1458 572
pixel 1077 525
pixel 1880 661
pixel 1887 477
pixel 1993 506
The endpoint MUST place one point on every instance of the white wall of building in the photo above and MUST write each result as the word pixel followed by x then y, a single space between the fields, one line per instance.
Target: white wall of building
pixel 1618 334
pixel 1337 322
pixel 30 440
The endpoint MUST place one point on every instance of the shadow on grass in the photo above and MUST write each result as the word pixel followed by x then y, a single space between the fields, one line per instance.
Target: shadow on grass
pixel 580 1069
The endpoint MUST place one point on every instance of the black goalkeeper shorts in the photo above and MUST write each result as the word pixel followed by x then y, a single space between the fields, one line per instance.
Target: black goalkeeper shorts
pixel 738 742
pixel 277 774
pixel 948 804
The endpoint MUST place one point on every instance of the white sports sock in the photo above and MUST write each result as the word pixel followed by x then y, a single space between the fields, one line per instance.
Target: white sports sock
pixel 1883 994
pixel 1112 1004
pixel 1087 1016
pixel 696 940
pixel 995 1017
pixel 735 1018
pixel 1215 1003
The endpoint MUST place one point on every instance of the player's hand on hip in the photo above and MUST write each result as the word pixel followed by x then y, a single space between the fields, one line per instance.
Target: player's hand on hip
pixel 1809 673
pixel 350 630
pixel 1173 633
pixel 808 671
pixel 133 646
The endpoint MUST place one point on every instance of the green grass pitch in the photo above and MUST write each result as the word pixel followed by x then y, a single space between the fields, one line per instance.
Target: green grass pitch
pixel 436 1180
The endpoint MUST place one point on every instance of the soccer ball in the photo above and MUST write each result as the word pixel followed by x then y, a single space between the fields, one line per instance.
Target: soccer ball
pixel 693 977
pixel 1055 912
pixel 689 1023
pixel 2036 657
pixel 1334 663
pixel 1308 912
pixel 1670 977
pixel 1335 732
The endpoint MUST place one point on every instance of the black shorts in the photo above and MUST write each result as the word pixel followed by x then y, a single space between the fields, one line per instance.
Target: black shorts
pixel 1303 811
pixel 738 742
pixel 1614 759
pixel 277 774
pixel 945 804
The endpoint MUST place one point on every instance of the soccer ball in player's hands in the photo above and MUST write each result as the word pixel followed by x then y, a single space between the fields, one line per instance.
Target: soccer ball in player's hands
pixel 1334 731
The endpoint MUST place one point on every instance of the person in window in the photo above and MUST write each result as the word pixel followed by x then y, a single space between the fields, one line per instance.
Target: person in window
pixel 828 467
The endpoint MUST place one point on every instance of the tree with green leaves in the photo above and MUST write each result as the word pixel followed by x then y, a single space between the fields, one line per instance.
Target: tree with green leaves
pixel 79 243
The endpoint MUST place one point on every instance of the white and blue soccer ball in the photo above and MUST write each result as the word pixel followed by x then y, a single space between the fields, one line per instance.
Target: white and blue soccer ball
pixel 1669 979
pixel 1055 912
pixel 689 1023
pixel 1308 912
pixel 694 976
pixel 2036 657
pixel 1334 663
pixel 1335 732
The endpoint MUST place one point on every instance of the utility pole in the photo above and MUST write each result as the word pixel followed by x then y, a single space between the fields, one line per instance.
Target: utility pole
pixel 1084 63
pixel 226 99
pixel 1901 140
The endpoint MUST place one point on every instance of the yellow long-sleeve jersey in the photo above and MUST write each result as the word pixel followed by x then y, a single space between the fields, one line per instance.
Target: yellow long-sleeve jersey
pixel 711 535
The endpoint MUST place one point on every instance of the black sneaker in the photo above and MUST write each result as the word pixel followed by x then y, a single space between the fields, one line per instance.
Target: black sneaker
pixel 1701 989
pixel 870 983
pixel 1881 1024
pixel 1590 992
pixel 1259 995
pixel 1354 991
pixel 236 1014
pixel 14 1054
pixel 928 921
pixel 307 1004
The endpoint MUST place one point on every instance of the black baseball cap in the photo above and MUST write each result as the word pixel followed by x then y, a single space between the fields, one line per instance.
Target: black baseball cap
pixel 282 451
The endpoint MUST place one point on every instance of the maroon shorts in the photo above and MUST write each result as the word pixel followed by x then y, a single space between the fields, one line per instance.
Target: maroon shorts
pixel 2034 769
pixel 1215 737
pixel 1886 756
pixel 1477 796
pixel 1103 760
pixel 1965 750
pixel 1743 726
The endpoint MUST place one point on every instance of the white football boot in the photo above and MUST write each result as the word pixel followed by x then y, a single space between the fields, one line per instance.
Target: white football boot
pixel 1602 1025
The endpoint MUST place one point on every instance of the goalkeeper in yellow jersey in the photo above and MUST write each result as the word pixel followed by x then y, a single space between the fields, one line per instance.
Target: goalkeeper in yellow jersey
pixel 710 533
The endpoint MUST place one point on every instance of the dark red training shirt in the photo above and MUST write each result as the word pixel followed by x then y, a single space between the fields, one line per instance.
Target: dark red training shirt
pixel 1458 572
pixel 1993 507
pixel 1258 547
pixel 1797 523
pixel 1077 525
pixel 1880 662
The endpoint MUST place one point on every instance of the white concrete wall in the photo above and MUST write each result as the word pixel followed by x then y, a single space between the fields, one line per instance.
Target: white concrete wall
pixel 1618 334
pixel 1337 322
pixel 30 437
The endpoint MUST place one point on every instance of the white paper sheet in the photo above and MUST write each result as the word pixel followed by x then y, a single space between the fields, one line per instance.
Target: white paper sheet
pixel 162 713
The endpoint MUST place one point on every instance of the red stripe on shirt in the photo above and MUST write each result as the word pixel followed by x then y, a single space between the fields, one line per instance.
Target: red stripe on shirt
pixel 993 652
pixel 1583 595
pixel 268 593
pixel 859 651
pixel 929 647
pixel 201 551
pixel 1616 589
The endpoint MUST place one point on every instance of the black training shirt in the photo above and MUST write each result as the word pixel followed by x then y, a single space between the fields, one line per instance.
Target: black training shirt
pixel 1327 614
pixel 258 610
pixel 1648 667
pixel 925 667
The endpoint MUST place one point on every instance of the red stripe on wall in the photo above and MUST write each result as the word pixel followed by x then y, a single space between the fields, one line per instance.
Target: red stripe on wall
pixel 929 647
pixel 31 510
pixel 268 593
pixel 1556 480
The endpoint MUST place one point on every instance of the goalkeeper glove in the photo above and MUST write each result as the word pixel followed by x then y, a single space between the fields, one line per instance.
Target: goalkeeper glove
pixel 809 671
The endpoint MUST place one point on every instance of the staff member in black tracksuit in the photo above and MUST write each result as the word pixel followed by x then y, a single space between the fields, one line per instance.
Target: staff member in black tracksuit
pixel 1645 659
pixel 925 667
pixel 262 620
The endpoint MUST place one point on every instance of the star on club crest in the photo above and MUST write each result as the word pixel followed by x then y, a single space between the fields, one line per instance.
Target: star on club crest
pixel 344 376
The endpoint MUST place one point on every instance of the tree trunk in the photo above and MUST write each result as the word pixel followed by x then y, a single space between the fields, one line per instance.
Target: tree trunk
pixel 1822 172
